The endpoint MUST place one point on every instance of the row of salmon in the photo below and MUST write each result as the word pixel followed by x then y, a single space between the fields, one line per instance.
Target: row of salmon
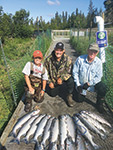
pixel 64 132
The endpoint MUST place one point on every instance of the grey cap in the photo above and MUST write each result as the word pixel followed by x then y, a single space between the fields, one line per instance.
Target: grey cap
pixel 93 46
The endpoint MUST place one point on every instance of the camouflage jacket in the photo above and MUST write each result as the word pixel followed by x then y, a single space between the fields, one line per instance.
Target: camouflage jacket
pixel 58 69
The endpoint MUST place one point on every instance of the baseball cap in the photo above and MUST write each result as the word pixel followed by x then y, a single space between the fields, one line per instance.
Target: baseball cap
pixel 37 53
pixel 93 46
pixel 59 45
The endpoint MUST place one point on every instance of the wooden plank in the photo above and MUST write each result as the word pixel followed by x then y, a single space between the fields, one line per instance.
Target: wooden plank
pixel 11 123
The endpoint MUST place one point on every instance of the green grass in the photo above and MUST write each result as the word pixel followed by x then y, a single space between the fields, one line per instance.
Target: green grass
pixel 15 48
pixel 81 44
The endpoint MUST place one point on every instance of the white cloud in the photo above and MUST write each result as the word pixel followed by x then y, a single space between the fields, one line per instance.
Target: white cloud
pixel 49 2
pixel 57 2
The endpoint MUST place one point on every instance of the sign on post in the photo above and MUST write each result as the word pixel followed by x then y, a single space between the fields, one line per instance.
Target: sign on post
pixel 101 38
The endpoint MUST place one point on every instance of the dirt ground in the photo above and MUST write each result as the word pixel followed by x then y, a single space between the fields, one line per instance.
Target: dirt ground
pixel 56 106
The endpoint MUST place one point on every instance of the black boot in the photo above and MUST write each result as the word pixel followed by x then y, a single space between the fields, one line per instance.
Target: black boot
pixel 28 103
pixel 70 100
pixel 39 99
pixel 80 98
pixel 28 106
pixel 99 105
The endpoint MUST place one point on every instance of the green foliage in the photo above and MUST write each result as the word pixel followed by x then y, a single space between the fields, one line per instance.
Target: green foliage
pixel 110 38
pixel 20 25
pixel 81 44
pixel 108 10
pixel 15 48
pixel 108 75
pixel 17 25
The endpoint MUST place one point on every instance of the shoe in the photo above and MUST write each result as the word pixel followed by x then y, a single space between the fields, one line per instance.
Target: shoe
pixel 70 100
pixel 27 107
pixel 100 108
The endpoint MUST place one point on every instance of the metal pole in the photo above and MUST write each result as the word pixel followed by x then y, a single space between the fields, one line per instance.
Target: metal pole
pixel 8 74
pixel 90 31
pixel 100 21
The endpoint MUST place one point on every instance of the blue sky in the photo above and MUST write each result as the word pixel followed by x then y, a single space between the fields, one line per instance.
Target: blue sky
pixel 48 8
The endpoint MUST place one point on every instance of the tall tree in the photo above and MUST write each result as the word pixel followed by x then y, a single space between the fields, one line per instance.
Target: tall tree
pixel 1 10
pixel 1 13
pixel 91 15
pixel 64 20
pixel 109 10
pixel 6 26
pixel 21 24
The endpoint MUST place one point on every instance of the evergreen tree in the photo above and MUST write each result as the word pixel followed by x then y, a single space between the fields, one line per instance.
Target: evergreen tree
pixel 91 15
pixel 109 10
pixel 6 26
pixel 21 24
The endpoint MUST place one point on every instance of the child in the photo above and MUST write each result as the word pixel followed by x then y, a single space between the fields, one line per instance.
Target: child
pixel 36 78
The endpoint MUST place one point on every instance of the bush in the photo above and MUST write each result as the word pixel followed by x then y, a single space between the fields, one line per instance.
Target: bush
pixel 81 45
pixel 110 38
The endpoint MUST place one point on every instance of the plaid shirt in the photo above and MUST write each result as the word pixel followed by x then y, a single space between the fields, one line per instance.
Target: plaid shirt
pixel 58 69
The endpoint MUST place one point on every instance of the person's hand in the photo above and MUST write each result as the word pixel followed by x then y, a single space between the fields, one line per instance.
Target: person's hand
pixel 42 93
pixel 85 86
pixel 51 85
pixel 31 90
pixel 79 89
pixel 59 81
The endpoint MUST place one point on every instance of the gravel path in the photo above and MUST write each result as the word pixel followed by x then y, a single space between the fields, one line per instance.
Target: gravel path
pixel 56 106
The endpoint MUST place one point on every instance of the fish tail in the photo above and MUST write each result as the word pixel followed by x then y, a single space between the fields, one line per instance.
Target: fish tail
pixel 96 146
pixel 38 146
pixel 112 129
pixel 25 140
pixel 103 137
pixel 33 141
pixel 45 146
pixel 15 141
pixel 13 134
pixel 42 145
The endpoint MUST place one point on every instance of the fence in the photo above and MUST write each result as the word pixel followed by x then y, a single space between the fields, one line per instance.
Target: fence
pixel 108 75
pixel 12 79
pixel 60 33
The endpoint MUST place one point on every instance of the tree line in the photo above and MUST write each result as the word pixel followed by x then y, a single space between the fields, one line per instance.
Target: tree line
pixel 20 25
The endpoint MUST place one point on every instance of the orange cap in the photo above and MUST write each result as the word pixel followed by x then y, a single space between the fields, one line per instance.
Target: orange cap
pixel 37 53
